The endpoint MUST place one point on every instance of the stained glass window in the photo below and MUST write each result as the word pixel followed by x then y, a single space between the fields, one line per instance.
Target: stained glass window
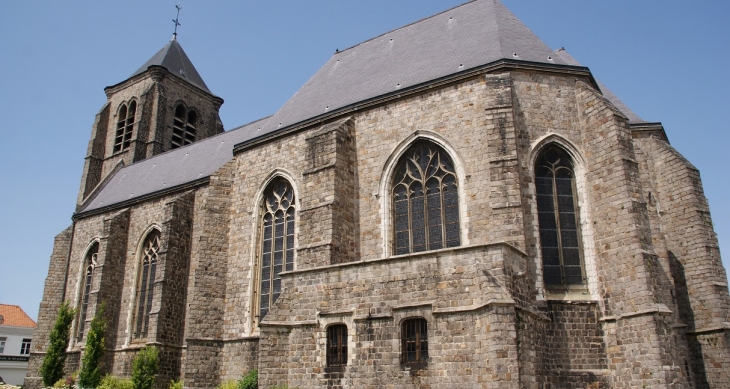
pixel 277 241
pixel 425 201
pixel 146 284
pixel 562 261
pixel 90 262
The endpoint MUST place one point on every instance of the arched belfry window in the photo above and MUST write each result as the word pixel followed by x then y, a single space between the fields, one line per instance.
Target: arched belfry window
pixel 90 264
pixel 425 200
pixel 145 284
pixel 125 125
pixel 184 127
pixel 562 257
pixel 277 241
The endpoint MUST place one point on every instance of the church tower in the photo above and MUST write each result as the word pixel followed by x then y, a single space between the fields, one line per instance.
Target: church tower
pixel 164 105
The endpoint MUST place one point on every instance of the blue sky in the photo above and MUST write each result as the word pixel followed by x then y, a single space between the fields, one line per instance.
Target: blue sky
pixel 665 59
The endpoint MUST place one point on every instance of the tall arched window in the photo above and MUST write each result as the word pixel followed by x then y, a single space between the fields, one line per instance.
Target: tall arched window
pixel 562 257
pixel 125 125
pixel 425 200
pixel 145 284
pixel 277 241
pixel 183 127
pixel 90 265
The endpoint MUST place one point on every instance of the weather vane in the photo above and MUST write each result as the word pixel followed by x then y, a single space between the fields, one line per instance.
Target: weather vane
pixel 177 23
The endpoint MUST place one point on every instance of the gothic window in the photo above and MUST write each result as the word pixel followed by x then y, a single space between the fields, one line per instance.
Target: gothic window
pixel 183 128
pixel 145 284
pixel 277 241
pixel 337 345
pixel 425 200
pixel 125 125
pixel 414 340
pixel 90 262
pixel 562 261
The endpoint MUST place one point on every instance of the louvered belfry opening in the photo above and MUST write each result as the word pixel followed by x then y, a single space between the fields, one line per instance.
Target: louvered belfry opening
pixel 146 283
pixel 414 340
pixel 558 219
pixel 277 241
pixel 125 125
pixel 337 345
pixel 90 261
pixel 184 129
pixel 425 200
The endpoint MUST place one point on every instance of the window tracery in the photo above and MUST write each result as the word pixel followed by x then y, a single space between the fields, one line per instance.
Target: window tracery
pixel 125 125
pixel 145 284
pixel 91 262
pixel 184 127
pixel 557 209
pixel 277 241
pixel 425 201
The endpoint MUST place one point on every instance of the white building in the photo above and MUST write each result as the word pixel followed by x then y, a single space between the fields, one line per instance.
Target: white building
pixel 16 334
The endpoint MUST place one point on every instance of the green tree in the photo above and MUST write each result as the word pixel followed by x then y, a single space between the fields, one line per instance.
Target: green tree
pixel 144 368
pixel 53 362
pixel 250 380
pixel 91 363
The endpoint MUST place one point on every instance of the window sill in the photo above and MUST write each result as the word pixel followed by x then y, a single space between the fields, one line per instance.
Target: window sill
pixel 569 295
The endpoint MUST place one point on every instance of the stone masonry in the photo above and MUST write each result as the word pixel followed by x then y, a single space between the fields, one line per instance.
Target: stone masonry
pixel 653 311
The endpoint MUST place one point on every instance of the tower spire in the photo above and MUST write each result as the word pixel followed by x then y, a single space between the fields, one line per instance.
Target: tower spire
pixel 177 23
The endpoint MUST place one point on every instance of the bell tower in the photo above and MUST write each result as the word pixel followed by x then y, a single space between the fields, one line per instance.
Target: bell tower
pixel 164 105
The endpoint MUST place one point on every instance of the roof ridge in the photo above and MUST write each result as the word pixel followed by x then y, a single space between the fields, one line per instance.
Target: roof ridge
pixel 407 25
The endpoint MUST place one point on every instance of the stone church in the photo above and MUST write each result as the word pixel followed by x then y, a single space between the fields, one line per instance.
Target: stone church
pixel 451 204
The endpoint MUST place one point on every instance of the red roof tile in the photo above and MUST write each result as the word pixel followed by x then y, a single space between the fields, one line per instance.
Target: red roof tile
pixel 13 315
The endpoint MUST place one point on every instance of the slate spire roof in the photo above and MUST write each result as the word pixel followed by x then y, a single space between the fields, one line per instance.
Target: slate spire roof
pixel 173 58
pixel 468 36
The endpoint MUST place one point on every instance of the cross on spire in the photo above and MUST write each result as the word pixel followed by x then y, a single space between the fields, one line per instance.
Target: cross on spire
pixel 177 23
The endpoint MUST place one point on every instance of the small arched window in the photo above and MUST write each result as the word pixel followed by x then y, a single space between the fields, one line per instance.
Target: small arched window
pixel 414 341
pixel 425 200
pixel 184 127
pixel 337 345
pixel 125 125
pixel 145 284
pixel 90 264
pixel 277 241
pixel 562 258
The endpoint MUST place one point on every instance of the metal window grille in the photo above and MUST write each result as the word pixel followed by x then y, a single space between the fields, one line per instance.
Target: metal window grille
pixel 557 210
pixel 25 347
pixel 145 285
pixel 425 201
pixel 277 241
pixel 125 125
pixel 183 127
pixel 91 260
pixel 337 345
pixel 414 337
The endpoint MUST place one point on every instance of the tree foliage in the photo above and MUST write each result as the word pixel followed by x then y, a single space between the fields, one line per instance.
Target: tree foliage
pixel 91 363
pixel 52 366
pixel 250 380
pixel 144 368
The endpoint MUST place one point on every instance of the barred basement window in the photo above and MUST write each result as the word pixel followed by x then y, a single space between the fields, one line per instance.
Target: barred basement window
pixel 414 338
pixel 277 241
pixel 183 127
pixel 425 200
pixel 145 284
pixel 125 125
pixel 90 261
pixel 337 345
pixel 562 258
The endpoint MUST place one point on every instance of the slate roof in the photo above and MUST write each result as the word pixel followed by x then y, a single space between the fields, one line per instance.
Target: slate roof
pixel 173 58
pixel 470 35
pixel 13 315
